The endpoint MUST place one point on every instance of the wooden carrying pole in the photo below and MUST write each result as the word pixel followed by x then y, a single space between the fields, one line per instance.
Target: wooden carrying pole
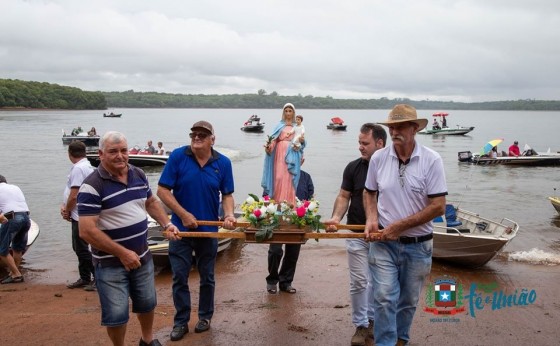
pixel 241 235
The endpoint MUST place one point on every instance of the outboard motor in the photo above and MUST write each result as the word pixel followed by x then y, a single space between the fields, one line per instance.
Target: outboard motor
pixel 465 156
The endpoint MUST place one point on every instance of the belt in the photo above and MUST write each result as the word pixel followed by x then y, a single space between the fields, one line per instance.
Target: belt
pixel 412 240
pixel 10 216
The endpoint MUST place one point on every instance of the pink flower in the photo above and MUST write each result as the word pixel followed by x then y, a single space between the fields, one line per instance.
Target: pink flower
pixel 301 211
pixel 266 198
pixel 306 203
pixel 257 213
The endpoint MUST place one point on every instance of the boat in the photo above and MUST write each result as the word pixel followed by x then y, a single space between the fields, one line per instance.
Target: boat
pixel 253 124
pixel 111 115
pixel 136 157
pixel 336 124
pixel 527 158
pixel 79 135
pixel 555 202
pixel 159 245
pixel 444 129
pixel 32 235
pixel 467 239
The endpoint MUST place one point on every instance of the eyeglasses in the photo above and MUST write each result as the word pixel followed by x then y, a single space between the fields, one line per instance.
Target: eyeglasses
pixel 200 135
pixel 402 169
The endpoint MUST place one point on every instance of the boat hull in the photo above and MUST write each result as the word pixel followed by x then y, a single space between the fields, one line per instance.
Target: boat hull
pixel 475 242
pixel 448 131
pixel 89 141
pixel 555 203
pixel 534 160
pixel 134 159
pixel 159 246
pixel 112 115
pixel 336 127
pixel 253 128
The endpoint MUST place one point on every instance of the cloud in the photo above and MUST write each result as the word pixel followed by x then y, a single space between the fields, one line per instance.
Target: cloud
pixel 441 50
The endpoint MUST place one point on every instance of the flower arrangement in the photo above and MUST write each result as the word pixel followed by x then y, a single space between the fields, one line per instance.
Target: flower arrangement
pixel 303 214
pixel 265 214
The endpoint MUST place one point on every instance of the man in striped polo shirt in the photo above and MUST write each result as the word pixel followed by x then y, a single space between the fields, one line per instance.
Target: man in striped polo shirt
pixel 112 206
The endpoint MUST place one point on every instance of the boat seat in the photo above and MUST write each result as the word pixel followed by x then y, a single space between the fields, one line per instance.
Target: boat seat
pixel 451 216
pixel 461 230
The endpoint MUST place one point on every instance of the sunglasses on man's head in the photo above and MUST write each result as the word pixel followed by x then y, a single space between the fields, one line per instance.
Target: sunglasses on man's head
pixel 201 135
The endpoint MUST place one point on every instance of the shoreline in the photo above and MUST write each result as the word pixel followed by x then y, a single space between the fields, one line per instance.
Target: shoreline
pixel 318 314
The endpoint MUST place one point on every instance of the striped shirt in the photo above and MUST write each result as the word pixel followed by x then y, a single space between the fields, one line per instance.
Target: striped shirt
pixel 121 209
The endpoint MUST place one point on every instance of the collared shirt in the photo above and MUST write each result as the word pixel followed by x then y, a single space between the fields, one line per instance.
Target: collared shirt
pixel 405 192
pixel 121 209
pixel 197 189
pixel 79 171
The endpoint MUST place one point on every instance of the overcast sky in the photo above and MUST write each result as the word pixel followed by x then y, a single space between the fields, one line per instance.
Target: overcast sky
pixel 439 50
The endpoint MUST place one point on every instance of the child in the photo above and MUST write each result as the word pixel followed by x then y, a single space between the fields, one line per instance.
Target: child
pixel 298 131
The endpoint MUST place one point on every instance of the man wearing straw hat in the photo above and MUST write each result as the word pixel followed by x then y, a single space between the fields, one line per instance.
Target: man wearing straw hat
pixel 191 183
pixel 405 189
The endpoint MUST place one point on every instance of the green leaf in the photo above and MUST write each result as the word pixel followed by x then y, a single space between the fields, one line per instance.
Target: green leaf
pixel 254 197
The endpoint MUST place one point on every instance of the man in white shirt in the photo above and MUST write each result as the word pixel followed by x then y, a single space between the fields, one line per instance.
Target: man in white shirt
pixel 81 168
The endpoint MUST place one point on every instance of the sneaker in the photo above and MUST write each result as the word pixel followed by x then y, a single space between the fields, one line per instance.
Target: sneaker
pixel 79 283
pixel 92 287
pixel 202 326
pixel 179 332
pixel 359 337
pixel 370 329
pixel 155 342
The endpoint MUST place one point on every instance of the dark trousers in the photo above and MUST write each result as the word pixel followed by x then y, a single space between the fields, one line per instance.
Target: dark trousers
pixel 80 247
pixel 286 274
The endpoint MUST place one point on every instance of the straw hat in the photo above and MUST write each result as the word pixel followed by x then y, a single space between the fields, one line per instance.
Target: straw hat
pixel 404 113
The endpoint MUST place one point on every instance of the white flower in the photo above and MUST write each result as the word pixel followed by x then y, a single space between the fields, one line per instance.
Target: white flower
pixel 272 208
pixel 312 206
pixel 263 211
pixel 250 200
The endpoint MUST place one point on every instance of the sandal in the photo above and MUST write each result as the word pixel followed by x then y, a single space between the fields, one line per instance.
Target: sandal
pixel 288 289
pixel 12 280
pixel 271 289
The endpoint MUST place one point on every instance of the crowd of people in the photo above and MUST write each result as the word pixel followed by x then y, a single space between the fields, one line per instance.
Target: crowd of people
pixel 394 191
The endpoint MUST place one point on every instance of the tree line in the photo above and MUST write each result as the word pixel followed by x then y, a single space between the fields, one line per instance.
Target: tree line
pixel 23 94
pixel 262 100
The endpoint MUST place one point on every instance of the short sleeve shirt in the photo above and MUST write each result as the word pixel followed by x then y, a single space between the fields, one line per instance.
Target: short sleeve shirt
pixel 406 192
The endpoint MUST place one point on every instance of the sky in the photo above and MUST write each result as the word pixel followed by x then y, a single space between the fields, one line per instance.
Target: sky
pixel 464 51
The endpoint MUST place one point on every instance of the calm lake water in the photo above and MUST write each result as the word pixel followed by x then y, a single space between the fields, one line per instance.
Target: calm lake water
pixel 35 159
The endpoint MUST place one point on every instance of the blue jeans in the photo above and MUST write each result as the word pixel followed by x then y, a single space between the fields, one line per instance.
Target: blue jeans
pixel 14 232
pixel 115 285
pixel 181 260
pixel 361 290
pixel 399 271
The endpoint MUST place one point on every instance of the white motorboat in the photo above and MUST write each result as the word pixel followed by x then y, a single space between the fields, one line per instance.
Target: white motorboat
pixel 470 240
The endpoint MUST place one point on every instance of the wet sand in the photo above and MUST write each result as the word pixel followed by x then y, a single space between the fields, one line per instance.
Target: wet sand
pixel 34 313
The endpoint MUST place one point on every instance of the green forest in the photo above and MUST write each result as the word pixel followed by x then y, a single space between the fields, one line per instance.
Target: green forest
pixel 21 94
pixel 24 94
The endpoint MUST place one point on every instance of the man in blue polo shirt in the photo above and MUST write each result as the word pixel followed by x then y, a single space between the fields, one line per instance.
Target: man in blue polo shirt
pixel 112 206
pixel 192 181
pixel 409 180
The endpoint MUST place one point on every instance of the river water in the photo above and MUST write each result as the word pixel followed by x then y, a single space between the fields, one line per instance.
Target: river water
pixel 35 159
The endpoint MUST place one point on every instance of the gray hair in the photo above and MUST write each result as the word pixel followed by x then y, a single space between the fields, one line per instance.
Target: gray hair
pixel 111 137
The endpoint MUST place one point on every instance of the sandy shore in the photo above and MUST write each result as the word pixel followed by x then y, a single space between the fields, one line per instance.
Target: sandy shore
pixel 319 314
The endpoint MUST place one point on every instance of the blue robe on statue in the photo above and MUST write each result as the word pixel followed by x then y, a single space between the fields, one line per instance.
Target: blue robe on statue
pixel 293 160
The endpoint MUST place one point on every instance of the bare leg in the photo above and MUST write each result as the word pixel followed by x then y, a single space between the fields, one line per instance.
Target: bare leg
pixel 17 255
pixel 116 334
pixel 146 323
pixel 9 261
